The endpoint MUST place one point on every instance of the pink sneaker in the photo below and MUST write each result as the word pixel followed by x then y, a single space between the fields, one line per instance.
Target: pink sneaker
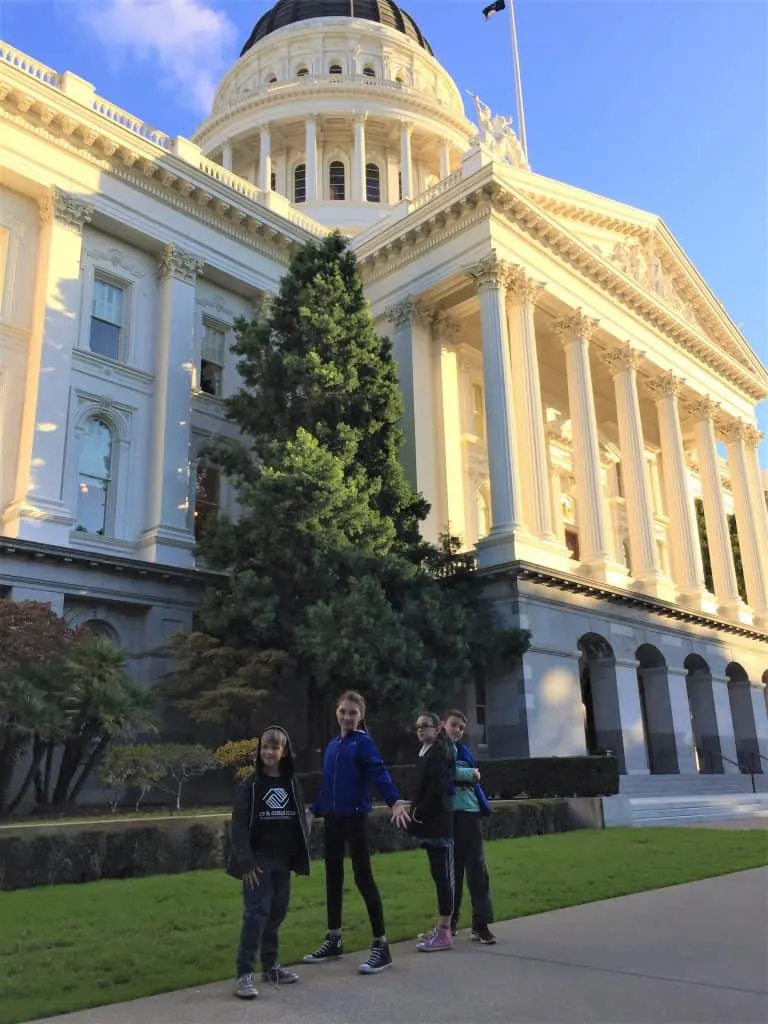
pixel 437 940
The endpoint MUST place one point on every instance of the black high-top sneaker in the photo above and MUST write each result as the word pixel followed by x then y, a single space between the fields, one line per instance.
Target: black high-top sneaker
pixel 378 959
pixel 330 949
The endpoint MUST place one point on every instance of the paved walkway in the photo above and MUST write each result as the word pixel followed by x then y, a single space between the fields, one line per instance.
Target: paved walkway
pixel 696 952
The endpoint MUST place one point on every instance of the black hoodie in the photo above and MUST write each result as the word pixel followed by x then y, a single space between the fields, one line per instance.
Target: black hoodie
pixel 244 827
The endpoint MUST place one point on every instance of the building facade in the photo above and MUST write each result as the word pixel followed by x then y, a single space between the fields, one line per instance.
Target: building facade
pixel 577 402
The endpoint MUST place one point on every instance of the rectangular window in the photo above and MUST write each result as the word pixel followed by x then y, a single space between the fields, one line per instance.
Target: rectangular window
pixel 106 319
pixel 478 411
pixel 212 360
pixel 300 184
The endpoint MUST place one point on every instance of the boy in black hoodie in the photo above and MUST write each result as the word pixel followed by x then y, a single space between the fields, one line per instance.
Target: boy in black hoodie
pixel 268 840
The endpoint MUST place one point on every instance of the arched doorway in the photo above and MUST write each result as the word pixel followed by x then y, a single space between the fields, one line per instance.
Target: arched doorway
pixel 743 715
pixel 600 697
pixel 656 709
pixel 701 702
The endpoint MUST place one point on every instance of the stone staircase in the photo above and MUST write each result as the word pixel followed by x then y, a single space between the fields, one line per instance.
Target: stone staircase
pixel 653 800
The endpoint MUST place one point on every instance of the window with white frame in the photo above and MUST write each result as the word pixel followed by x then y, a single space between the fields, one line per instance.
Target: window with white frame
pixel 336 180
pixel 94 471
pixel 213 358
pixel 300 184
pixel 207 495
pixel 478 411
pixel 372 183
pixel 107 318
pixel 369 72
pixel 335 69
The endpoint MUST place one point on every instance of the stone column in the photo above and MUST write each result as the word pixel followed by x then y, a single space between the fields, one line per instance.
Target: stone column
pixel 631 717
pixel 522 294
pixel 752 440
pixel 167 537
pixel 310 127
pixel 724 719
pixel 684 537
pixel 720 553
pixel 622 364
pixel 358 163
pixel 40 510
pixel 413 351
pixel 265 158
pixel 445 158
pixel 575 332
pixel 748 521
pixel 489 277
pixel 445 330
pixel 406 160
pixel 226 156
pixel 681 720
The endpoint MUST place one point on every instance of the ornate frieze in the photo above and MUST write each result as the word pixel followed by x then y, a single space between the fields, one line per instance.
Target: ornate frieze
pixel 622 358
pixel 665 385
pixel 175 262
pixel 575 325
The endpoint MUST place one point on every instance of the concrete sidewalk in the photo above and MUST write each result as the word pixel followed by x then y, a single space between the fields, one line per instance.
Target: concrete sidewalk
pixel 696 952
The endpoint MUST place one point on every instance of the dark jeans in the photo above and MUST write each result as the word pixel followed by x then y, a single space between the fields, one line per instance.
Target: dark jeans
pixel 351 832
pixel 264 910
pixel 469 857
pixel 440 855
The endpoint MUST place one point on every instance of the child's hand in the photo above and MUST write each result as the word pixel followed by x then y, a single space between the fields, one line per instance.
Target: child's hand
pixel 309 818
pixel 251 878
pixel 476 774
pixel 400 815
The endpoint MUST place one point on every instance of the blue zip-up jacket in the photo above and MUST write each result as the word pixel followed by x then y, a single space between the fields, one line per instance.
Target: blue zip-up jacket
pixel 352 767
pixel 463 753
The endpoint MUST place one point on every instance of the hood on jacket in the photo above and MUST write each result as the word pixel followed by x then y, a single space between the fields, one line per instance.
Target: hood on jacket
pixel 287 761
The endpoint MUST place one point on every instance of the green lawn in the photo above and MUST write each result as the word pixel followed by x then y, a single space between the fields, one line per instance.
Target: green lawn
pixel 76 946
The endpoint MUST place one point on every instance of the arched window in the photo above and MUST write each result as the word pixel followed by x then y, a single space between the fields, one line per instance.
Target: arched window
pixel 103 630
pixel 336 188
pixel 300 184
pixel 94 470
pixel 369 72
pixel 335 69
pixel 273 182
pixel 207 488
pixel 271 79
pixel 483 512
pixel 372 183
pixel 302 72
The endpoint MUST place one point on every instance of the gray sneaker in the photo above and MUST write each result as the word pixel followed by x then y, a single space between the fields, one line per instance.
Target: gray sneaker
pixel 245 987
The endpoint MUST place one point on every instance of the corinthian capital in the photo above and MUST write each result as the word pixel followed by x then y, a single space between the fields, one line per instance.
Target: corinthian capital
pixel 67 209
pixel 733 430
pixel 175 262
pixel 666 385
pixel 704 408
pixel 753 437
pixel 621 359
pixel 521 288
pixel 409 311
pixel 444 327
pixel 490 272
pixel 575 325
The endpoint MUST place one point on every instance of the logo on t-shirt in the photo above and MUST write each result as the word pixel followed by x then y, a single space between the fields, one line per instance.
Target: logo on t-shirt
pixel 276 798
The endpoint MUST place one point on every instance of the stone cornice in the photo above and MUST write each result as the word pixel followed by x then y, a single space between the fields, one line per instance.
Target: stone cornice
pixel 486 192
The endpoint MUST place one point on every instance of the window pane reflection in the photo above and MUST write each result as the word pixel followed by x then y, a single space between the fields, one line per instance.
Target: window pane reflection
pixel 94 471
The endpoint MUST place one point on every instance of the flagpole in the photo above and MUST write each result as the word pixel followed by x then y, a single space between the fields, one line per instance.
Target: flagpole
pixel 518 80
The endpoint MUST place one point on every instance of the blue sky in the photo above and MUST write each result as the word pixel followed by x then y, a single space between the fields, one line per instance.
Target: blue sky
pixel 662 104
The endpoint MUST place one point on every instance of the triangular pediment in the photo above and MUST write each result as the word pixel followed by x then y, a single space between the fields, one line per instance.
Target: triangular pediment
pixel 640 246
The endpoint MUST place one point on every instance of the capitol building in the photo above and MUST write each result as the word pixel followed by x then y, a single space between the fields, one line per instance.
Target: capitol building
pixel 578 405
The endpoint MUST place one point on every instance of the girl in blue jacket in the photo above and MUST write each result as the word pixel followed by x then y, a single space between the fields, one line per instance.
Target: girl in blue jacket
pixel 352 767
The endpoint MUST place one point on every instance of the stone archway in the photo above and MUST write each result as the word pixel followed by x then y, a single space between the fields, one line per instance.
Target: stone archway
pixel 701 702
pixel 743 715
pixel 600 697
pixel 656 709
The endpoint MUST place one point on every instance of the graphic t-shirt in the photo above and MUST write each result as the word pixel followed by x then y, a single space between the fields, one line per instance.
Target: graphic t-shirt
pixel 276 828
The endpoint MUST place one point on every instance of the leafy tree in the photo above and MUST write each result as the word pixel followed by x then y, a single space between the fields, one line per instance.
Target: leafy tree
pixel 733 534
pixel 238 754
pixel 330 584
pixel 139 766
pixel 180 762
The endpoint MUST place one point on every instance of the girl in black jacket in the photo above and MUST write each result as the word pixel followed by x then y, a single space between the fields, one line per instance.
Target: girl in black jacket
pixel 432 821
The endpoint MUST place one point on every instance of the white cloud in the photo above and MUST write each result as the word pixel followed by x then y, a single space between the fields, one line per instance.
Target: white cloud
pixel 188 41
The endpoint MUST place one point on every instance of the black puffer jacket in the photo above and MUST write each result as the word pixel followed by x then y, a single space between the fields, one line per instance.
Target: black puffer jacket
pixel 241 856
pixel 432 802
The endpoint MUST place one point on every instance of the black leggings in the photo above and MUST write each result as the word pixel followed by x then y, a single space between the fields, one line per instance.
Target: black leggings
pixel 441 866
pixel 353 831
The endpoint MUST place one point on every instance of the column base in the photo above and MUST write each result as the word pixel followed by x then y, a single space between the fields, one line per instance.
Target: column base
pixel 167 546
pixel 605 570
pixel 497 549
pixel 698 599
pixel 760 620
pixel 545 551
pixel 655 584
pixel 45 521
pixel 736 611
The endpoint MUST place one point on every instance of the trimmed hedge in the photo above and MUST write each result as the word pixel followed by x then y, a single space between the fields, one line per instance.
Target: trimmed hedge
pixel 32 857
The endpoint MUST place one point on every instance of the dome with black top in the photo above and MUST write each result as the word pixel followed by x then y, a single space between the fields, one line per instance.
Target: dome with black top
pixel 289 12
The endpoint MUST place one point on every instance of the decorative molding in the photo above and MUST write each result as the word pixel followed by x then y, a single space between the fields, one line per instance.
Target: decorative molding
pixel 69 210
pixel 665 385
pixel 733 430
pixel 753 437
pixel 490 272
pixel 704 408
pixel 117 258
pixel 175 262
pixel 409 311
pixel 522 288
pixel 444 328
pixel 622 358
pixel 576 325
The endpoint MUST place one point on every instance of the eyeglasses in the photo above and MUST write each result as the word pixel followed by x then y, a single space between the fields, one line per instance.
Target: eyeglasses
pixel 420 726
